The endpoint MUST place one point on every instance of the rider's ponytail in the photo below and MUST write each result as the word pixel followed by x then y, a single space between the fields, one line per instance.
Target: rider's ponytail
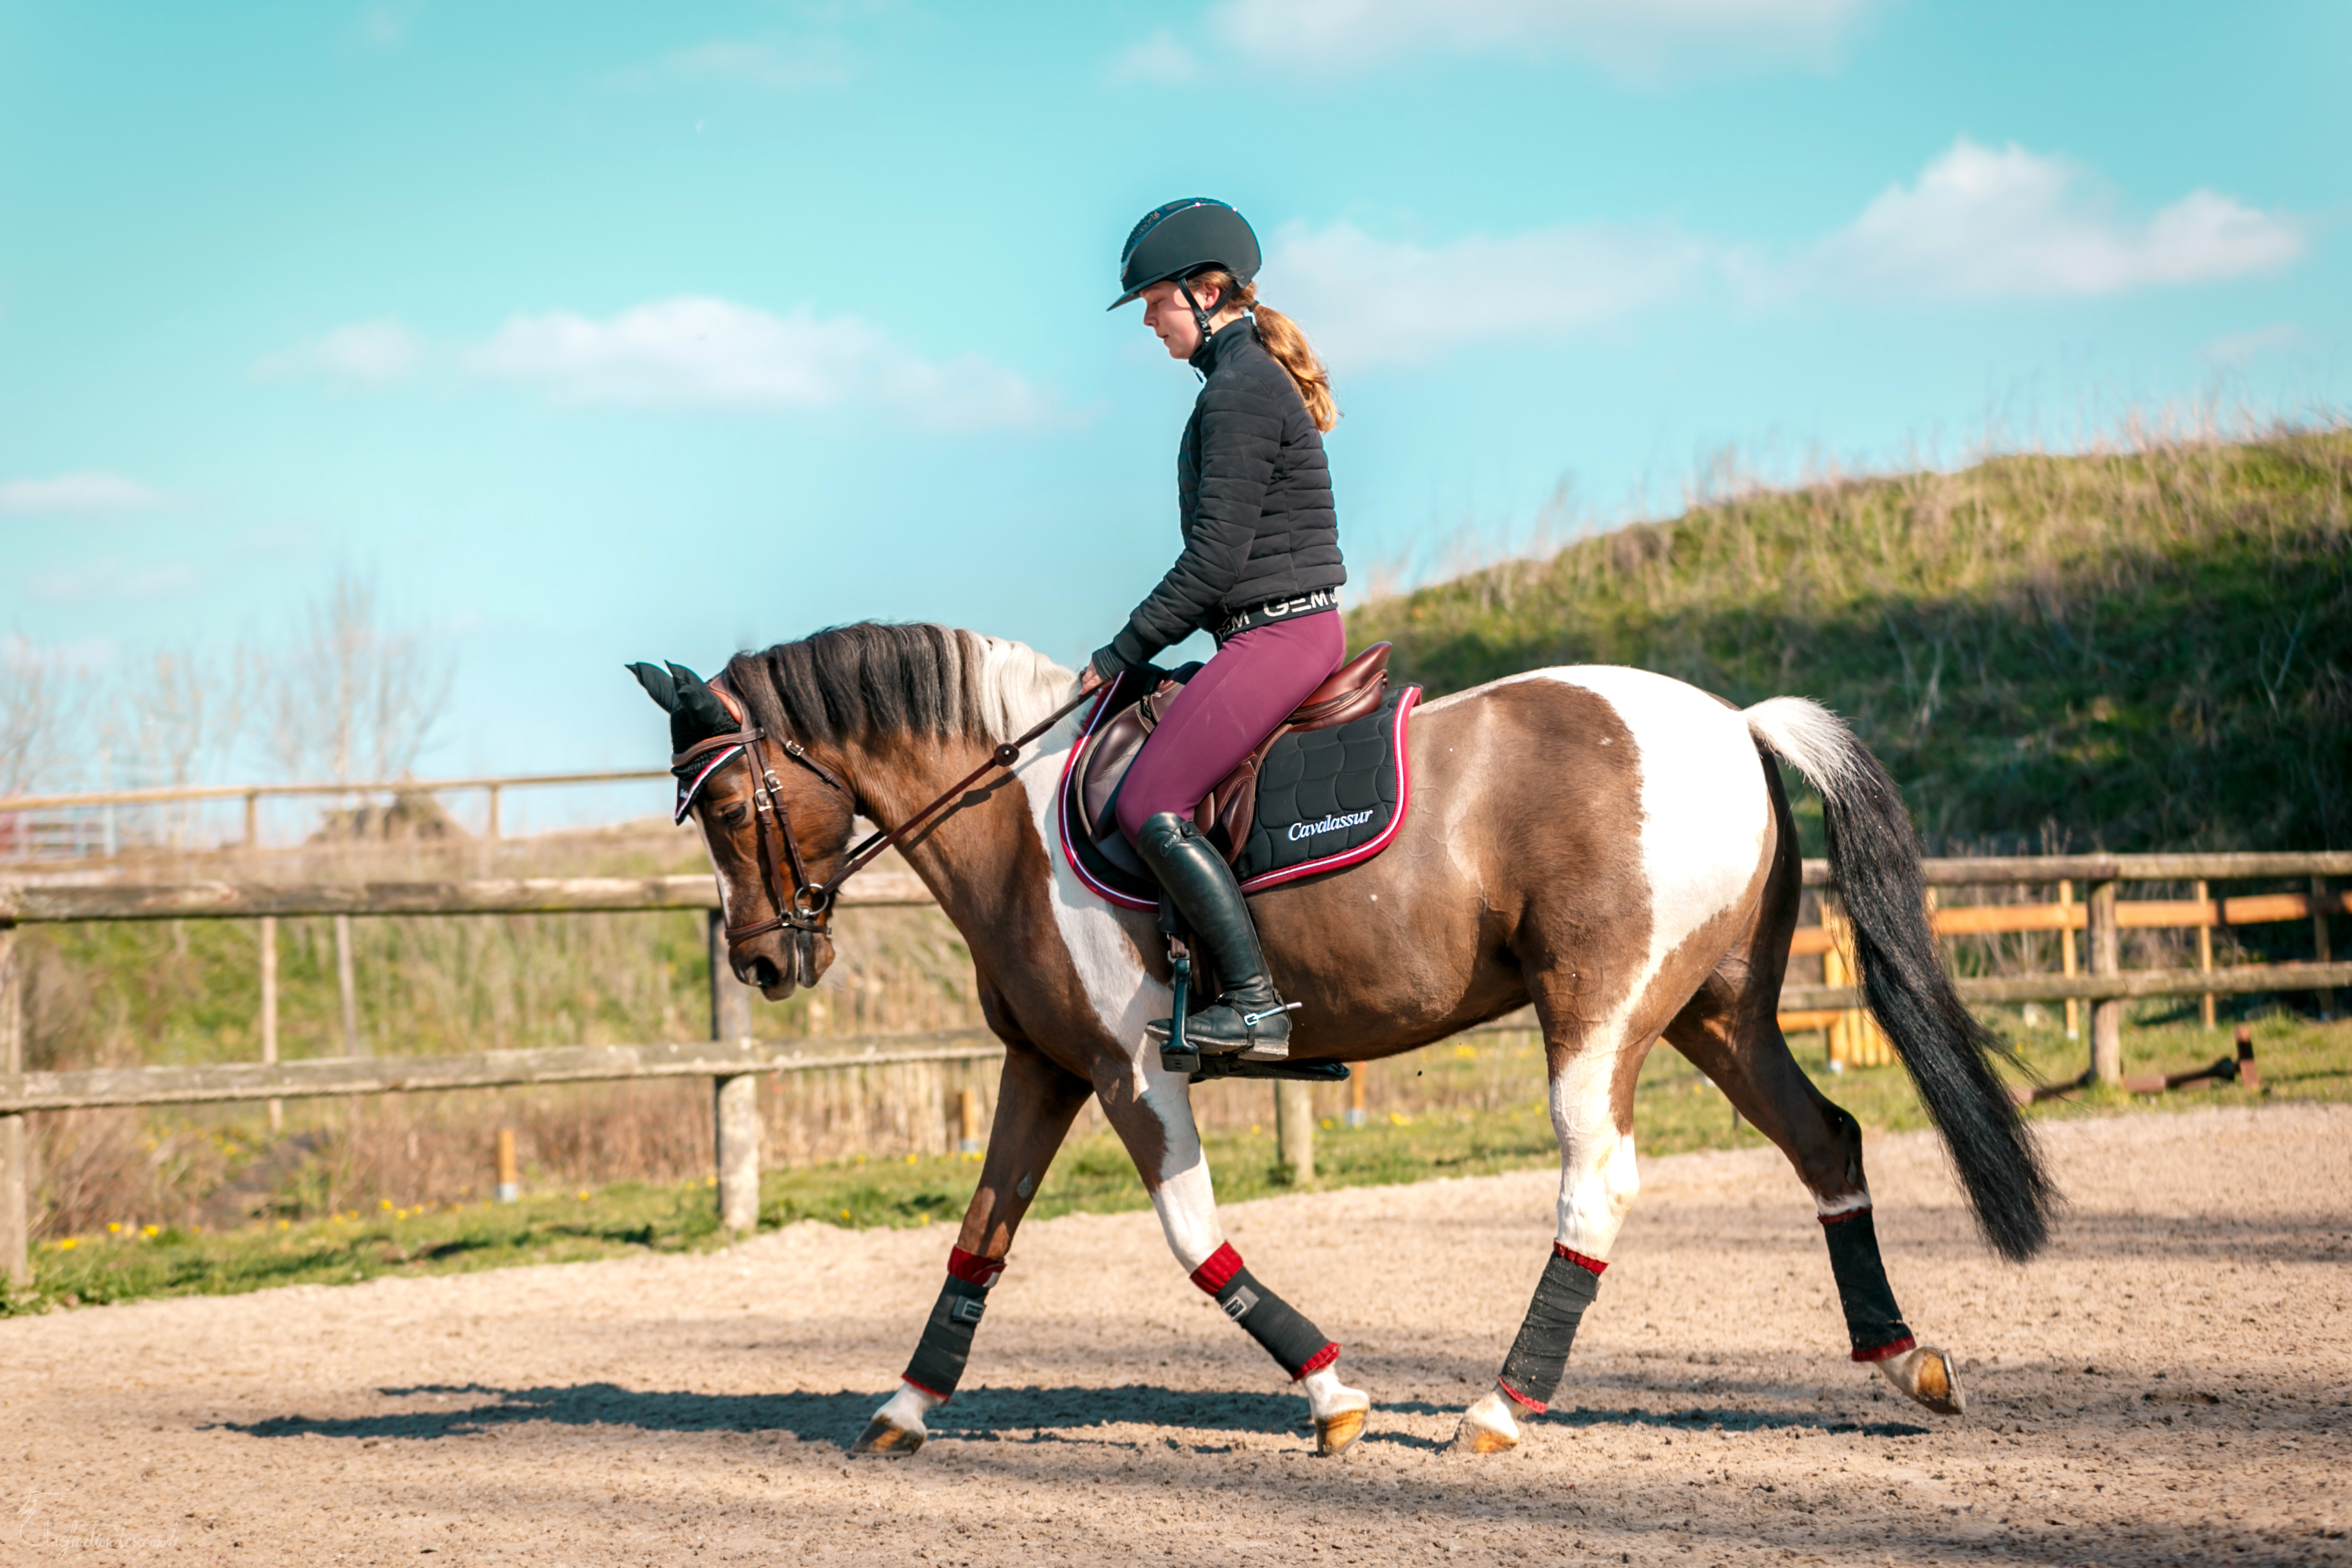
pixel 1283 339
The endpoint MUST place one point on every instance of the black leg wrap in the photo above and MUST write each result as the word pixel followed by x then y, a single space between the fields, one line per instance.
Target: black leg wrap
pixel 1871 1320
pixel 1538 1357
pixel 946 1345
pixel 1298 1346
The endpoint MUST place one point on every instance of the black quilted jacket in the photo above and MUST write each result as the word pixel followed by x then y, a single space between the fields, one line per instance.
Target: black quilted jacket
pixel 1253 494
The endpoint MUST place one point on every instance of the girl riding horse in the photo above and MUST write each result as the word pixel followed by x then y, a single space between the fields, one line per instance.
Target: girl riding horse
pixel 1259 571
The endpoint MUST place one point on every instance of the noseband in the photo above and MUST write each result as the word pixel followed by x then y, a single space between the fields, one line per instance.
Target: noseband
pixel 806 905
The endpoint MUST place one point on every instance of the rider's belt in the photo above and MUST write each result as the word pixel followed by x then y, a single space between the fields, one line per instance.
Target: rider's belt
pixel 1274 610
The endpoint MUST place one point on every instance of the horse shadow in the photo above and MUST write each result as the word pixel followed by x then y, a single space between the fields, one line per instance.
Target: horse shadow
pixel 1691 1419
pixel 1026 1414
pixel 1185 1418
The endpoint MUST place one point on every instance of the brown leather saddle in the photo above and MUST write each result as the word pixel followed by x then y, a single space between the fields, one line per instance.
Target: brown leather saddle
pixel 1353 689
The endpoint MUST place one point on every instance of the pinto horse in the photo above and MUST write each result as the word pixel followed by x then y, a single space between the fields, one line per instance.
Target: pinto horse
pixel 1613 846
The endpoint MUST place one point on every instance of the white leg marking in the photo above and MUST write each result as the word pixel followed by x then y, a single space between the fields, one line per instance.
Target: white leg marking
pixel 1337 1409
pixel 1488 1427
pixel 1101 941
pixel 1598 1175
pixel 1187 1204
pixel 1846 1202
pixel 907 1408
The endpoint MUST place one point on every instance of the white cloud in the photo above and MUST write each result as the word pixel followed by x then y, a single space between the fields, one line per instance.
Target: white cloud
pixel 1980 224
pixel 697 352
pixel 111 577
pixel 1163 58
pixel 1638 38
pixel 386 27
pixel 1367 301
pixel 806 64
pixel 75 492
pixel 2233 350
pixel 365 354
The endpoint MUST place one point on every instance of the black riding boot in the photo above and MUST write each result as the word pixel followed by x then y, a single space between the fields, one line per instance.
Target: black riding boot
pixel 1248 1014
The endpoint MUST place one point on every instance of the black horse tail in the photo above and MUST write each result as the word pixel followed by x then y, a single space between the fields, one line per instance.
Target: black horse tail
pixel 1874 862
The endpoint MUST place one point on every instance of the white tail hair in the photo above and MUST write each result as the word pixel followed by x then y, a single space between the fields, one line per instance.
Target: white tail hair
pixel 1812 739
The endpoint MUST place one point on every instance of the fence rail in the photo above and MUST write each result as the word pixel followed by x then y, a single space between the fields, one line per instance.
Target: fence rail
pixel 221 1083
pixel 732 1060
pixel 493 785
pixel 56 900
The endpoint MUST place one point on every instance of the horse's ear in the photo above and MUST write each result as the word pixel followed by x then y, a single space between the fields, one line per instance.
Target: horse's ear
pixel 700 714
pixel 658 683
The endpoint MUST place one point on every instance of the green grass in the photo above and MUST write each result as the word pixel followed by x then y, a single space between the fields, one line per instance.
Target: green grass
pixel 1676 1109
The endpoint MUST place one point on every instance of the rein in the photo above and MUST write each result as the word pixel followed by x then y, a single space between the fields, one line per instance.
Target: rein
pixel 807 906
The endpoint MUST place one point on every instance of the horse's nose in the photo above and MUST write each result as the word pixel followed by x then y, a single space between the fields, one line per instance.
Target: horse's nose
pixel 760 973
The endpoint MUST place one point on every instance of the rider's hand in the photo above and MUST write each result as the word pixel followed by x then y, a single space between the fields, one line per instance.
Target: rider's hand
pixel 1089 681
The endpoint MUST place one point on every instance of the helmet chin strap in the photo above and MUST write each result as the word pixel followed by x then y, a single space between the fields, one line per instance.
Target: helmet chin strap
pixel 1199 316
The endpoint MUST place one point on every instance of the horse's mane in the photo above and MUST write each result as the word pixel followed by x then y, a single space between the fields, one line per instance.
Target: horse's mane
pixel 874 677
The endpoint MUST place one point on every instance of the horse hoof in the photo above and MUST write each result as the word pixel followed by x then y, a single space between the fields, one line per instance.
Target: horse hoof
pixel 1334 1435
pixel 1487 1428
pixel 882 1441
pixel 1926 1374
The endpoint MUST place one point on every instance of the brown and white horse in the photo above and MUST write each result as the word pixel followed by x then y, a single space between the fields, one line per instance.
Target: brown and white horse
pixel 1611 845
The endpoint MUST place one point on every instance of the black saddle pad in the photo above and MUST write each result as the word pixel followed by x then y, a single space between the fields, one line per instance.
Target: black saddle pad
pixel 1326 798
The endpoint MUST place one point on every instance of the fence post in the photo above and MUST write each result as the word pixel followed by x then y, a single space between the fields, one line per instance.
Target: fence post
pixel 2066 964
pixel 269 1011
pixel 2319 946
pixel 735 1097
pixel 1841 1030
pixel 252 819
pixel 2106 1012
pixel 968 1121
pixel 348 988
pixel 16 1186
pixel 2205 944
pixel 509 1188
pixel 1293 1128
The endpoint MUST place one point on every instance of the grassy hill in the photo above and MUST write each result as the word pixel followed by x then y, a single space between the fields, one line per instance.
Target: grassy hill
pixel 2139 650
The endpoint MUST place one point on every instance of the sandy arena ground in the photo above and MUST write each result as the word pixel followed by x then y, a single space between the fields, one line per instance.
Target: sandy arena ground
pixel 2170 1384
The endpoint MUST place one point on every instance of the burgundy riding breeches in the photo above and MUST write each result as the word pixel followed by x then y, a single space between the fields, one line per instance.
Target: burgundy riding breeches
pixel 1241 697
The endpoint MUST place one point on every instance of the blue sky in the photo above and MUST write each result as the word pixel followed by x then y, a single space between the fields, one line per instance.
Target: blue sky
pixel 596 333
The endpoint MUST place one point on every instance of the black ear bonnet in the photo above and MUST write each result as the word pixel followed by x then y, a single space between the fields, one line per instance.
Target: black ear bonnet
pixel 695 714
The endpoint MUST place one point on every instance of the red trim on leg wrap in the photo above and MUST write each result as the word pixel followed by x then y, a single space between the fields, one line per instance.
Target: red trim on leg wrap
pixel 932 1392
pixel 1595 1264
pixel 1886 1352
pixel 1218 1272
pixel 1534 1407
pixel 1319 1360
pixel 974 1268
pixel 1843 1214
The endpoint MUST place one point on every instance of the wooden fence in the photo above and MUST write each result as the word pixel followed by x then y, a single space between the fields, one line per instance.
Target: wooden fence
pixel 13 808
pixel 731 1059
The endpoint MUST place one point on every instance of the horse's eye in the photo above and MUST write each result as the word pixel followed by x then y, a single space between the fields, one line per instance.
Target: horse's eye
pixel 733 816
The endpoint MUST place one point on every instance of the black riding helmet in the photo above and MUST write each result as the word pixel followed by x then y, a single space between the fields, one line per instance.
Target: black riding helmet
pixel 1179 240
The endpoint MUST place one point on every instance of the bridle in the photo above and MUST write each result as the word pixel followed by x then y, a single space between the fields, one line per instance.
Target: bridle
pixel 806 905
